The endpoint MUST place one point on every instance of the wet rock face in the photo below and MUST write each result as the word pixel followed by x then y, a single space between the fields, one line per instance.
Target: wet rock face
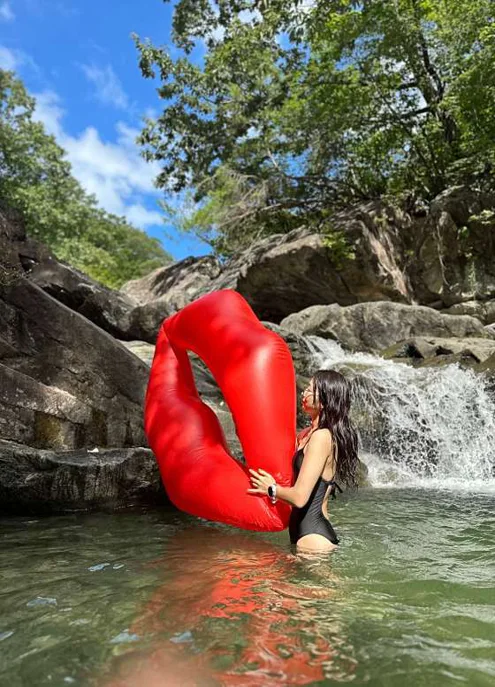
pixel 64 382
pixel 47 482
pixel 375 326
pixel 430 351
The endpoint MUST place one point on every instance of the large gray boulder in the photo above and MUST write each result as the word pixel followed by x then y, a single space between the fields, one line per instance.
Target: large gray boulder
pixel 147 319
pixel 454 249
pixel 45 482
pixel 176 284
pixel 439 256
pixel 114 312
pixel 482 310
pixel 65 383
pixel 376 326
pixel 108 308
pixel 288 272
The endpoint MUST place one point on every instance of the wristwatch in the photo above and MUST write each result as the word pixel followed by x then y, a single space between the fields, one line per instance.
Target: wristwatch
pixel 272 493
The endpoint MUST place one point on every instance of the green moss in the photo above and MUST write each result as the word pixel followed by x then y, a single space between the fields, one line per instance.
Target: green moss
pixel 338 246
pixel 9 274
pixel 49 431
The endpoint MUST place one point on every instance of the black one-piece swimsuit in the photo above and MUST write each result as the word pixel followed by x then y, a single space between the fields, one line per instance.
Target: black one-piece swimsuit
pixel 309 519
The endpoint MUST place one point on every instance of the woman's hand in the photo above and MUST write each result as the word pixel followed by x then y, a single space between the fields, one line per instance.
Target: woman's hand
pixel 260 480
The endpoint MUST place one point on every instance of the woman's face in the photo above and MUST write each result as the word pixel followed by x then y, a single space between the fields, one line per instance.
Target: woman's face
pixel 308 404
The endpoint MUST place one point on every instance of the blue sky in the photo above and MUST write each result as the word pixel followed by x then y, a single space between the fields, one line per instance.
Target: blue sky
pixel 77 58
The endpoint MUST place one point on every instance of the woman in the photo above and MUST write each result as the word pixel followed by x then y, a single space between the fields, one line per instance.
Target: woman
pixel 326 452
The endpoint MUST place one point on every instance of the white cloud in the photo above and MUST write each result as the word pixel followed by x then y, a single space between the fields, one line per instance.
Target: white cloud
pixel 9 59
pixel 12 60
pixel 49 112
pixel 6 13
pixel 113 171
pixel 142 217
pixel 108 88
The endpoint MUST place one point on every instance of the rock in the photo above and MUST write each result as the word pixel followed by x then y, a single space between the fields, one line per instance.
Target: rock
pixel 112 311
pixel 464 359
pixel 107 308
pixel 144 351
pixel 285 273
pixel 147 319
pixel 461 203
pixel 45 482
pixel 375 326
pixel 374 252
pixel 176 284
pixel 453 256
pixel 477 350
pixel 65 382
pixel 12 238
pixel 482 310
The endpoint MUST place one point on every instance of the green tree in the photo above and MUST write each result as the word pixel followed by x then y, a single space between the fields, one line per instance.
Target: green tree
pixel 299 107
pixel 36 179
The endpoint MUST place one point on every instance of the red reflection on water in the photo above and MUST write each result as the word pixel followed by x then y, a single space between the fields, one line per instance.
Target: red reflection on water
pixel 228 617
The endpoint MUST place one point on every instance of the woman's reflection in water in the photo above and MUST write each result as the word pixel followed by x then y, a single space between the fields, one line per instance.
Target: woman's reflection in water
pixel 226 615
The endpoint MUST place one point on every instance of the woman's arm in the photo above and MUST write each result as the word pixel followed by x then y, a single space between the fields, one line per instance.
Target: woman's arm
pixel 319 448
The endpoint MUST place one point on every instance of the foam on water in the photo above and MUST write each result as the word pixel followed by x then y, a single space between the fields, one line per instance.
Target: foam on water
pixel 427 427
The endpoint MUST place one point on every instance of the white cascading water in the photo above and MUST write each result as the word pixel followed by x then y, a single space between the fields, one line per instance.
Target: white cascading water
pixel 428 427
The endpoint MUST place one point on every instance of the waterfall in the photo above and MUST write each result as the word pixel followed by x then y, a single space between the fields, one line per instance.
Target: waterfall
pixel 432 427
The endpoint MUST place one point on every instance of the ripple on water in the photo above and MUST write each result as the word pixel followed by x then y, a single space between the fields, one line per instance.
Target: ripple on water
pixel 408 599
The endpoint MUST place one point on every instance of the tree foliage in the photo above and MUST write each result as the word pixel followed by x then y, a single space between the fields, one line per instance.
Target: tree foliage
pixel 314 105
pixel 36 179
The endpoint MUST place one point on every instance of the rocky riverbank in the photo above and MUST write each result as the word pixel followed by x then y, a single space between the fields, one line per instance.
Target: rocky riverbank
pixel 417 287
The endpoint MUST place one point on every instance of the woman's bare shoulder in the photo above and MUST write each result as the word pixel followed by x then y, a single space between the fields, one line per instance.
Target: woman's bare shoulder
pixel 321 436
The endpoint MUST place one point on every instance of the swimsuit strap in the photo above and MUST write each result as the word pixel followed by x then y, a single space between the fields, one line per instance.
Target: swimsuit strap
pixel 331 482
pixel 307 440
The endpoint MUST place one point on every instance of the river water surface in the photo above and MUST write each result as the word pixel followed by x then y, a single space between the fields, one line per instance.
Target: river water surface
pixel 157 599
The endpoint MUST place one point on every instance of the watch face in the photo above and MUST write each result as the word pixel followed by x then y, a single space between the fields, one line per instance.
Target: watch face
pixel 270 491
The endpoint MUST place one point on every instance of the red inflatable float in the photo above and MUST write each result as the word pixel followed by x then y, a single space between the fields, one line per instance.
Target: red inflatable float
pixel 254 370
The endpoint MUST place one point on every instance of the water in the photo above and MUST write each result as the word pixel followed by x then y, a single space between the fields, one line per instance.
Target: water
pixel 163 599
pixel 159 599
pixel 427 427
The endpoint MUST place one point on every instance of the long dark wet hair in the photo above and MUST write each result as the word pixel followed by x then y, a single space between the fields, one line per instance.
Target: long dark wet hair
pixel 334 393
